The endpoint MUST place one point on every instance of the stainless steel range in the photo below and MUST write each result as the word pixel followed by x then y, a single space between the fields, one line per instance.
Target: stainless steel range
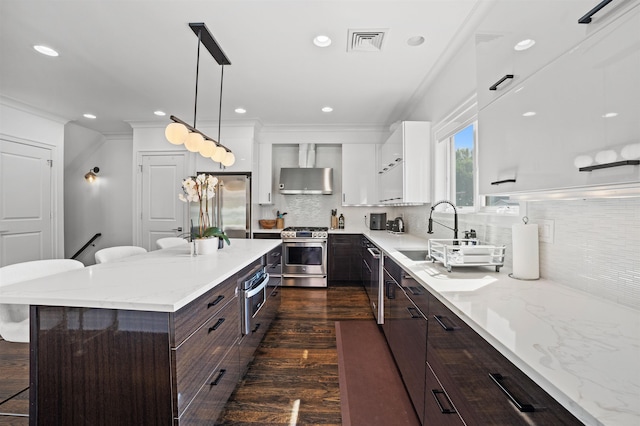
pixel 304 256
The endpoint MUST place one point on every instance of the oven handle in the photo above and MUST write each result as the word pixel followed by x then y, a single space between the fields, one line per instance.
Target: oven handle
pixel 250 293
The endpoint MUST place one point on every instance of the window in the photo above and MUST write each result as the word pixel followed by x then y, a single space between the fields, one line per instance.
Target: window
pixel 463 145
pixel 456 167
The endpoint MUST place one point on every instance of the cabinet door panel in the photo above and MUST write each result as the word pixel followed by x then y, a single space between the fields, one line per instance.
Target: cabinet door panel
pixel 210 400
pixel 359 174
pixel 203 350
pixel 197 312
pixel 439 410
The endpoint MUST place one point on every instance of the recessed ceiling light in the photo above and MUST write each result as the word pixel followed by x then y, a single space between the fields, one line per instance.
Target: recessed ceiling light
pixel 327 109
pixel 91 116
pixel 529 114
pixel 322 41
pixel 415 41
pixel 609 115
pixel 240 110
pixel 524 44
pixel 45 50
pixel 160 113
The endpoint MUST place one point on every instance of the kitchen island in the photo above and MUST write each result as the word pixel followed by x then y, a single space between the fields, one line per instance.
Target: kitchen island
pixel 153 339
pixel 580 349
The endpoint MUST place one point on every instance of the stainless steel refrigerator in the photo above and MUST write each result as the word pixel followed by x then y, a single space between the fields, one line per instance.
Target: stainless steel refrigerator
pixel 231 204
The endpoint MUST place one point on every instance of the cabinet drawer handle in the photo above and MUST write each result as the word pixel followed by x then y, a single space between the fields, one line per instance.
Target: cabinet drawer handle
pixel 499 82
pixel 500 182
pixel 609 165
pixel 443 410
pixel 215 302
pixel 219 377
pixel 390 289
pixel 216 325
pixel 586 19
pixel 414 313
pixel 523 407
pixel 416 291
pixel 439 318
pixel 256 328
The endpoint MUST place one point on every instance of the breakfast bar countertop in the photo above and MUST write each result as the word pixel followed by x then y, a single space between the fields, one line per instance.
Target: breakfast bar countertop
pixel 161 280
pixel 581 349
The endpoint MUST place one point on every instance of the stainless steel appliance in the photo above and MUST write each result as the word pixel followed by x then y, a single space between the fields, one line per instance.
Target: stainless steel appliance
pixel 377 221
pixel 304 256
pixel 371 278
pixel 253 292
pixel 306 180
pixel 232 204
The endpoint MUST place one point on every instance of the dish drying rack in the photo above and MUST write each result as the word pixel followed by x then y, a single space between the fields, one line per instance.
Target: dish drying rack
pixel 466 252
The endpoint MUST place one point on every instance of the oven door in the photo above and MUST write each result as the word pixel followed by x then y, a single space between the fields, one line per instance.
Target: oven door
pixel 254 299
pixel 304 257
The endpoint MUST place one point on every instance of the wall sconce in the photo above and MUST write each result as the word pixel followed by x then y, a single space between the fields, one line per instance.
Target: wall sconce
pixel 179 132
pixel 91 175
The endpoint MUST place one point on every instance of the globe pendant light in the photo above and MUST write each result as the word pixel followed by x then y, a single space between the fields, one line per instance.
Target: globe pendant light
pixel 180 132
pixel 229 159
pixel 176 133
pixel 193 142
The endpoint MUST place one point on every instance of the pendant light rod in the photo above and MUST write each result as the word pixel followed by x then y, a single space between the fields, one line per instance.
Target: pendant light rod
pixel 195 102
pixel 193 129
pixel 210 43
pixel 220 106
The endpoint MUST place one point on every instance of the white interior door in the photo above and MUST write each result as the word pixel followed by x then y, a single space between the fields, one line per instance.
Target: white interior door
pixel 25 203
pixel 162 212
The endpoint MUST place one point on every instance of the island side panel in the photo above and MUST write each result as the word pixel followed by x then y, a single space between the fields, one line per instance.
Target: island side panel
pixel 99 366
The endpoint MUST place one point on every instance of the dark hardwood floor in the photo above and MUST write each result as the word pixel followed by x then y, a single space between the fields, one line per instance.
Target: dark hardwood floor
pixel 293 378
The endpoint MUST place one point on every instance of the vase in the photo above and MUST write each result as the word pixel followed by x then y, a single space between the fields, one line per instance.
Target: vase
pixel 206 245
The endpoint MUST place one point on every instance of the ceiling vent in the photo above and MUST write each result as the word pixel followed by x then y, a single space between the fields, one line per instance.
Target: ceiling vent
pixel 365 40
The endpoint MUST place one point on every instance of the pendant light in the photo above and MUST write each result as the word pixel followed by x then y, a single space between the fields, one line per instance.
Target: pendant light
pixel 179 132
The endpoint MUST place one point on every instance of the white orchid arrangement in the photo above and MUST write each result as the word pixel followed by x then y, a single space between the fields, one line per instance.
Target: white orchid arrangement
pixel 200 189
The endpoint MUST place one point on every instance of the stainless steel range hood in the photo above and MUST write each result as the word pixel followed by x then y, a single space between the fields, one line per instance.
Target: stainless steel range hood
pixel 306 180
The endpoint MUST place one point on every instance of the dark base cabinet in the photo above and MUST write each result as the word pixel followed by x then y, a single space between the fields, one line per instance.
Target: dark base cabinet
pixel 451 373
pixel 344 258
pixel 485 387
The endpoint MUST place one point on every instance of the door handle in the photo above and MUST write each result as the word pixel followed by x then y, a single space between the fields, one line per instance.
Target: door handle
pixel 178 229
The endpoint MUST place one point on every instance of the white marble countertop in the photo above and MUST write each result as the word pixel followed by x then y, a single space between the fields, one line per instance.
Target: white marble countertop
pixel 162 280
pixel 583 350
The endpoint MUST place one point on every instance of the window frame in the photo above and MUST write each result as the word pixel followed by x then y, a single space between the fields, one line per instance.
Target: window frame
pixel 444 178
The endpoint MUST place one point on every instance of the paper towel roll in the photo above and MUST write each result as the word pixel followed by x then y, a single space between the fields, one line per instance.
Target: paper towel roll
pixel 525 251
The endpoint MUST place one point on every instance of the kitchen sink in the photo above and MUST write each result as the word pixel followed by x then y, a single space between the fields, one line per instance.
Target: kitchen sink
pixel 415 254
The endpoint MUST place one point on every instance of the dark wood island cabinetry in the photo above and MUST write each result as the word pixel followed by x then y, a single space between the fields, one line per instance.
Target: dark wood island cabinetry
pixel 154 340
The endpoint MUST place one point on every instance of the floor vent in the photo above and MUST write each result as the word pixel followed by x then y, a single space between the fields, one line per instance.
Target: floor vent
pixel 365 40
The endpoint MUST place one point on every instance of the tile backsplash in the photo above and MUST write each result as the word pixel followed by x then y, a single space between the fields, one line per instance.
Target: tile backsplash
pixel 595 247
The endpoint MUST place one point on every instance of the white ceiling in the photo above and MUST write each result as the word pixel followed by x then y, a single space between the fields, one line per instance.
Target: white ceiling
pixel 122 60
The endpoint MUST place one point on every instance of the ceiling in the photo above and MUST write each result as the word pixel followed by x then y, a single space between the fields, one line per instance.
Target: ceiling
pixel 123 60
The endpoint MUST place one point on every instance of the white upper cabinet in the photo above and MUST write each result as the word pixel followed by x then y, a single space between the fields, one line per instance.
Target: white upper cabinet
pixel 552 24
pixel 265 172
pixel 587 113
pixel 404 165
pixel 359 174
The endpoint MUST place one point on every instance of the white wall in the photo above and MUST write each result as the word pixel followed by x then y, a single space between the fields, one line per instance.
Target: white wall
pixel 104 206
pixel 21 123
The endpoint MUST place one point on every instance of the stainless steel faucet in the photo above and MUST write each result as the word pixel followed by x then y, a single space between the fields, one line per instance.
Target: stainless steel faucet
pixel 455 219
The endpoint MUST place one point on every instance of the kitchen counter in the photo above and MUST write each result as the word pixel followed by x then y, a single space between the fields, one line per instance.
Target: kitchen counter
pixel 582 350
pixel 161 280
